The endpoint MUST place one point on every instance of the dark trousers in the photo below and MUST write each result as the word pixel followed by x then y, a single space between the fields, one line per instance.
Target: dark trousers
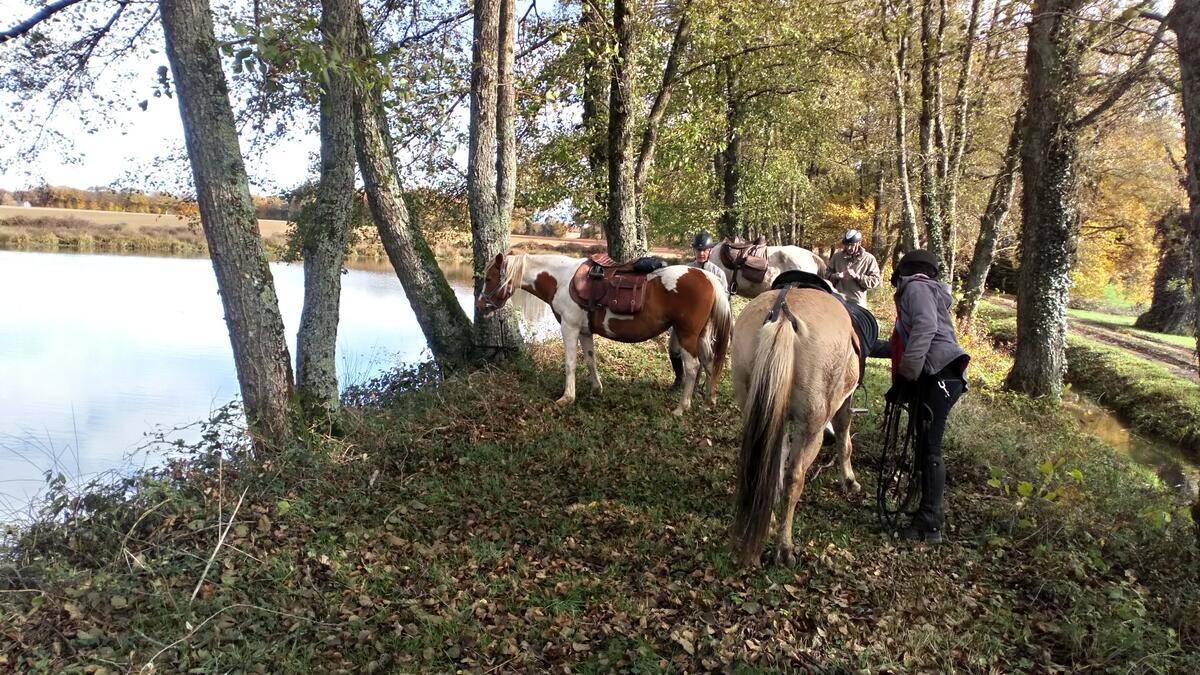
pixel 938 395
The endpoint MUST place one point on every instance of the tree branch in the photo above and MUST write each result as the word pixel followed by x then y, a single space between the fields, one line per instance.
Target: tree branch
pixel 28 24
pixel 1123 83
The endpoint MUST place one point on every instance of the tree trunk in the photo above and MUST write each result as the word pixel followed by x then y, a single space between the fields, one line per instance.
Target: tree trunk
pixel 324 238
pixel 731 157
pixel 1049 235
pixel 909 237
pixel 227 215
pixel 930 204
pixel 621 230
pixel 999 203
pixel 1171 310
pixel 658 109
pixel 491 172
pixel 878 235
pixel 958 140
pixel 596 75
pixel 442 320
pixel 1184 19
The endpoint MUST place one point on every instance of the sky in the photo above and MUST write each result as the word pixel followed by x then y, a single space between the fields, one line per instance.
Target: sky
pixel 128 153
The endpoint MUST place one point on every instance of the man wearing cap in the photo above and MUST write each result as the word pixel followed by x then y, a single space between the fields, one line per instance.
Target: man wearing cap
pixel 928 373
pixel 702 246
pixel 853 271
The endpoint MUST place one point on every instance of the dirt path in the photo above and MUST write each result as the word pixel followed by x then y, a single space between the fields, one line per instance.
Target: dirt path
pixel 1179 360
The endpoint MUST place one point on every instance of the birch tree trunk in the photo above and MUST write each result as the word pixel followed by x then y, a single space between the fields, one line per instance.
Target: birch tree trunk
pixel 958 137
pixel 998 205
pixel 622 230
pixel 909 237
pixel 491 172
pixel 442 320
pixel 227 215
pixel 658 109
pixel 325 237
pixel 930 204
pixel 1048 173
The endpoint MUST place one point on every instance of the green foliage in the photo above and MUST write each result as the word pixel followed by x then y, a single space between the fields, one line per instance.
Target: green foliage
pixel 469 523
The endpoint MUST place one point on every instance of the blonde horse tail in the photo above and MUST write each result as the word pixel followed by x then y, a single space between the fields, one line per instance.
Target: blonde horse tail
pixel 764 422
pixel 720 321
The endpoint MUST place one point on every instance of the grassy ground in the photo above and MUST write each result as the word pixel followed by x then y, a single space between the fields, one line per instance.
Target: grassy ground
pixel 470 525
pixel 1155 402
pixel 1125 322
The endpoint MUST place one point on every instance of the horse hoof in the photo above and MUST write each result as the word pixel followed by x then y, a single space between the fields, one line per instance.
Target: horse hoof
pixel 851 487
pixel 678 412
pixel 564 402
pixel 784 557
pixel 597 389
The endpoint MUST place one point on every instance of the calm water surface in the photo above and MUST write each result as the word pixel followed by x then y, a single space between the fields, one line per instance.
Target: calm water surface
pixel 98 350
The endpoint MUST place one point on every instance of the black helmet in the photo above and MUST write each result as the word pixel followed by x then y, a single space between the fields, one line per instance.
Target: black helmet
pixel 703 241
pixel 852 237
pixel 917 261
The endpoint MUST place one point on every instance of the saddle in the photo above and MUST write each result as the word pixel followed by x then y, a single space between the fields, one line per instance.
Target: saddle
pixel 866 327
pixel 603 283
pixel 750 258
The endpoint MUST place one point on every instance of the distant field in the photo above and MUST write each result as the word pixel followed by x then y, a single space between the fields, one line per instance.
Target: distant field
pixel 134 221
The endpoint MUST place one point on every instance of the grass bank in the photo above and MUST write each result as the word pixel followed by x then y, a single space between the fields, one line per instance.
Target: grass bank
pixel 1153 401
pixel 471 525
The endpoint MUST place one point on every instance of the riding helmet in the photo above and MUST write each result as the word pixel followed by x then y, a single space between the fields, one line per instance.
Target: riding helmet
pixel 917 261
pixel 703 241
pixel 852 237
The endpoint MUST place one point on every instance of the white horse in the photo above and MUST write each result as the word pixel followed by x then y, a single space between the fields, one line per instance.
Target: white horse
pixel 688 300
pixel 779 259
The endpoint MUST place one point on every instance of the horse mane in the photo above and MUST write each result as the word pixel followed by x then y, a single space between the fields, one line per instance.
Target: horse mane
pixel 514 271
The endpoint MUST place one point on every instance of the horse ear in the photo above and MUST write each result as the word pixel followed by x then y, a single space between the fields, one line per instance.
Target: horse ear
pixel 499 258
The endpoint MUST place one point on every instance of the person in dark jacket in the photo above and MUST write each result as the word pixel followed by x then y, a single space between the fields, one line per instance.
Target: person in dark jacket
pixel 929 372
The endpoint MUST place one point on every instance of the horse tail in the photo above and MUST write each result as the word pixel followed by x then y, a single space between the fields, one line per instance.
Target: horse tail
pixel 764 422
pixel 720 321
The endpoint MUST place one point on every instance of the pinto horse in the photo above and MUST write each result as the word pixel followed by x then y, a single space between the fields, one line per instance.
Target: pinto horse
pixel 794 371
pixel 688 300
pixel 779 259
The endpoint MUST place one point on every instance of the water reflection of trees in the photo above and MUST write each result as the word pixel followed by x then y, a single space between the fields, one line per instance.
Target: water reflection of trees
pixel 537 319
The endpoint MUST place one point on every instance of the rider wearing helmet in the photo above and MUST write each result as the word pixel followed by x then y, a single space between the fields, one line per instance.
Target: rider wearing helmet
pixel 702 246
pixel 928 372
pixel 853 271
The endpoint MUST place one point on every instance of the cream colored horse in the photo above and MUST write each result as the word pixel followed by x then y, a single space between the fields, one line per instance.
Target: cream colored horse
pixel 780 259
pixel 794 370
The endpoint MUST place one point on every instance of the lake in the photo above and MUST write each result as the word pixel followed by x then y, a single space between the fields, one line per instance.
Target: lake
pixel 98 350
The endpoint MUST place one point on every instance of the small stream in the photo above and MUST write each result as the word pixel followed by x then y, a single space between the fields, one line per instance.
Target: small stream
pixel 1175 469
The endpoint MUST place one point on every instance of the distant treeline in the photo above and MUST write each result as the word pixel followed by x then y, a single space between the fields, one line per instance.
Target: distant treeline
pixel 129 201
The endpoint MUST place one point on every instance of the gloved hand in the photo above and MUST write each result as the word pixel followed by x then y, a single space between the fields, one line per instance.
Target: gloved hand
pixel 902 389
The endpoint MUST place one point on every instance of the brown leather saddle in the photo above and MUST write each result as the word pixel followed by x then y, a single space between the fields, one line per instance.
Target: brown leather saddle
pixel 749 258
pixel 603 283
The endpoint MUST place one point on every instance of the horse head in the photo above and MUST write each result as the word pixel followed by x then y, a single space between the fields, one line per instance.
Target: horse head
pixel 499 284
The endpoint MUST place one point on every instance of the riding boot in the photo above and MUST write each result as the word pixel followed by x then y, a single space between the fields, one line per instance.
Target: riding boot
pixel 677 366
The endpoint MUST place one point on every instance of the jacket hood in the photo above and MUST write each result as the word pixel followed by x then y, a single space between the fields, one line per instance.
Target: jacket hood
pixel 942 290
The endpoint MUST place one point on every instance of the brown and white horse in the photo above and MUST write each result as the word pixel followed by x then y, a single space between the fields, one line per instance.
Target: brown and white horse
pixel 794 370
pixel 780 259
pixel 689 300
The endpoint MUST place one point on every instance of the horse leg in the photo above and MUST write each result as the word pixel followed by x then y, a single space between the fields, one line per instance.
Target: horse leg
pixel 691 368
pixel 589 351
pixel 841 427
pixel 570 349
pixel 809 444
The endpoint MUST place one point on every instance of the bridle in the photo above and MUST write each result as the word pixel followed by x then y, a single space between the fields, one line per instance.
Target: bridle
pixel 493 299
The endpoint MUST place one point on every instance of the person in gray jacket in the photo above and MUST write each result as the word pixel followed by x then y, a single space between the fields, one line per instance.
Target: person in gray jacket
pixel 929 372
pixel 702 246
